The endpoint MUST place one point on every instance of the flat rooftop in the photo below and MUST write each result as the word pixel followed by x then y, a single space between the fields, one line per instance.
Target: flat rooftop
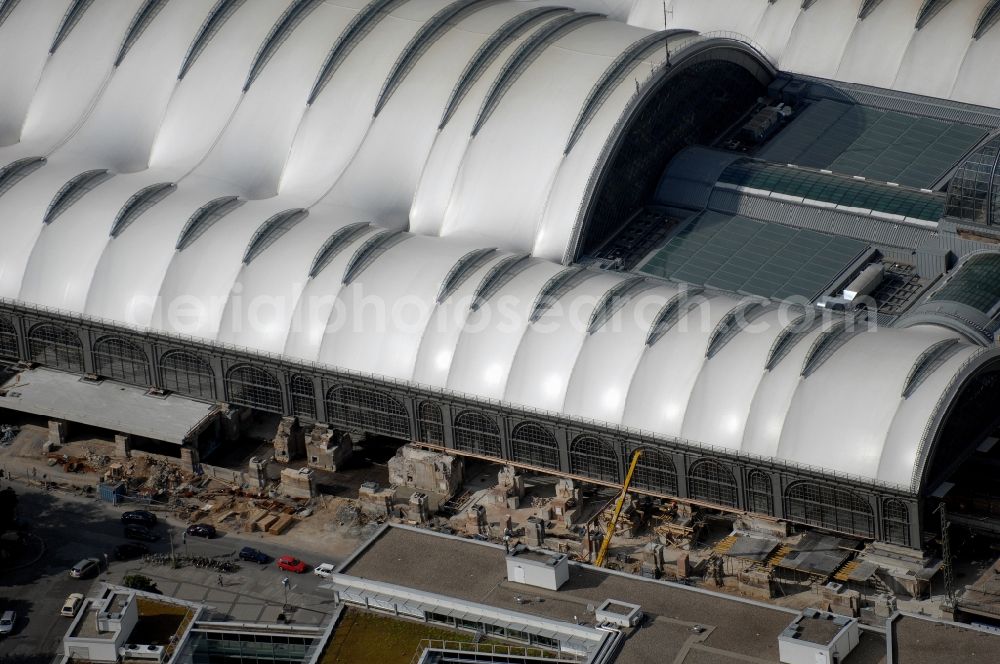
pixel 734 630
pixel 545 557
pixel 105 404
pixel 819 628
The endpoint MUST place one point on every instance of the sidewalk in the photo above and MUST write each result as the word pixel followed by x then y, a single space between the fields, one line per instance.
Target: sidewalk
pixel 250 595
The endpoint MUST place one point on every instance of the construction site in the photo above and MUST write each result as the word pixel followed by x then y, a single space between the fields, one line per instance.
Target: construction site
pixel 309 483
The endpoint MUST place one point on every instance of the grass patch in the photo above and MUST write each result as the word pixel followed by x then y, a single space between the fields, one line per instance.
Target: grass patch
pixel 368 638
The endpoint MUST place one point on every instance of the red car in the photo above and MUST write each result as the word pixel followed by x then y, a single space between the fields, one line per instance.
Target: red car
pixel 291 564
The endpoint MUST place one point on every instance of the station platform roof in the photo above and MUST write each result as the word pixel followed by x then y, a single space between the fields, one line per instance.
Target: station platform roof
pixel 105 404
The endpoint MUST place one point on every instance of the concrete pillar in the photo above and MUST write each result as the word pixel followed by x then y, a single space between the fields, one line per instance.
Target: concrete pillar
pixel 289 440
pixel 189 458
pixel 258 472
pixel 58 433
pixel 123 445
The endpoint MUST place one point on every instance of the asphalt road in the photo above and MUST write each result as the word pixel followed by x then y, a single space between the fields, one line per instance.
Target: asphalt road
pixel 74 527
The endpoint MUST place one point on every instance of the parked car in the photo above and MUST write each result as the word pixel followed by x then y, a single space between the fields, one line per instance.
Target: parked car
pixel 71 605
pixel 291 564
pixel 324 570
pixel 134 531
pixel 84 568
pixel 130 551
pixel 7 621
pixel 201 530
pixel 252 555
pixel 140 517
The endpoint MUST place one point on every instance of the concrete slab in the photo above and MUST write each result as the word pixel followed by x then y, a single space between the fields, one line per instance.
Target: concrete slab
pixel 105 404
pixel 246 612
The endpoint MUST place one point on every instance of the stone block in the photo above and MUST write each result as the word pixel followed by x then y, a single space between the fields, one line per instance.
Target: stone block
pixel 123 445
pixel 425 470
pixel 58 432
pixel 328 449
pixel 374 500
pixel 289 440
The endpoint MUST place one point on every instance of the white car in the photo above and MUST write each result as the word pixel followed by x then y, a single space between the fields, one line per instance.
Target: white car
pixel 71 605
pixel 7 621
pixel 324 570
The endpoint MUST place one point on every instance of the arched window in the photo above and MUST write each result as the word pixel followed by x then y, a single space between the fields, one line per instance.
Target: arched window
pixel 895 521
pixel 303 396
pixel 188 374
pixel 431 423
pixel 475 432
pixel 712 482
pixel 368 410
pixel 760 496
pixel 655 472
pixel 592 457
pixel 122 359
pixel 251 386
pixel 831 507
pixel 55 346
pixel 534 445
pixel 8 340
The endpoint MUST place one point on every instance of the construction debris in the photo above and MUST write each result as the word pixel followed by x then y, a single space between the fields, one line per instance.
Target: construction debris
pixel 289 441
pixel 426 471
pixel 328 449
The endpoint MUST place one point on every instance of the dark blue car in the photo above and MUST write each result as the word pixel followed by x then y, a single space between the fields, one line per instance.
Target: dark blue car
pixel 253 555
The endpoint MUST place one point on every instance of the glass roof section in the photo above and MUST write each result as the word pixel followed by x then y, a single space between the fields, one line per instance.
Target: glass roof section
pixel 73 191
pixel 430 32
pixel 987 19
pixel 491 49
pixel 362 23
pixel 737 254
pixel 974 191
pixel 289 20
pixel 525 55
pixel 69 21
pixel 140 22
pixel 975 283
pixel 220 13
pixel 835 189
pixel 16 171
pixel 875 144
pixel 272 229
pixel 6 7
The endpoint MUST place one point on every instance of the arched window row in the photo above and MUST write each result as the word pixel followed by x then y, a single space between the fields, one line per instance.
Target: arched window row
pixel 121 359
pixel 431 423
pixel 593 457
pixel 655 471
pixel 187 373
pixel 896 521
pixel 8 340
pixel 252 386
pixel 55 346
pixel 760 492
pixel 830 507
pixel 534 445
pixel 368 410
pixel 712 482
pixel 477 433
pixel 303 395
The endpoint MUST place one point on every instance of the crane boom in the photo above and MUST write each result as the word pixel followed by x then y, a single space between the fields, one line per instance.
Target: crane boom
pixel 618 510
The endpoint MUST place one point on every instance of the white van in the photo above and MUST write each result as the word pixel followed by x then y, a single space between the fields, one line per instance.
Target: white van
pixel 7 621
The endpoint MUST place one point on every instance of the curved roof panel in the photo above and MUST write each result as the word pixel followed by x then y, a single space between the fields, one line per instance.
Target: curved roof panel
pixel 348 286
pixel 931 47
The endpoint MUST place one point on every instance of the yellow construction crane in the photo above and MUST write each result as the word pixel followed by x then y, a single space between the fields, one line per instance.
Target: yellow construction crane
pixel 618 510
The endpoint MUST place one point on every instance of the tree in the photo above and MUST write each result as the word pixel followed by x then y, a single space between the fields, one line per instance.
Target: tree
pixel 140 582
